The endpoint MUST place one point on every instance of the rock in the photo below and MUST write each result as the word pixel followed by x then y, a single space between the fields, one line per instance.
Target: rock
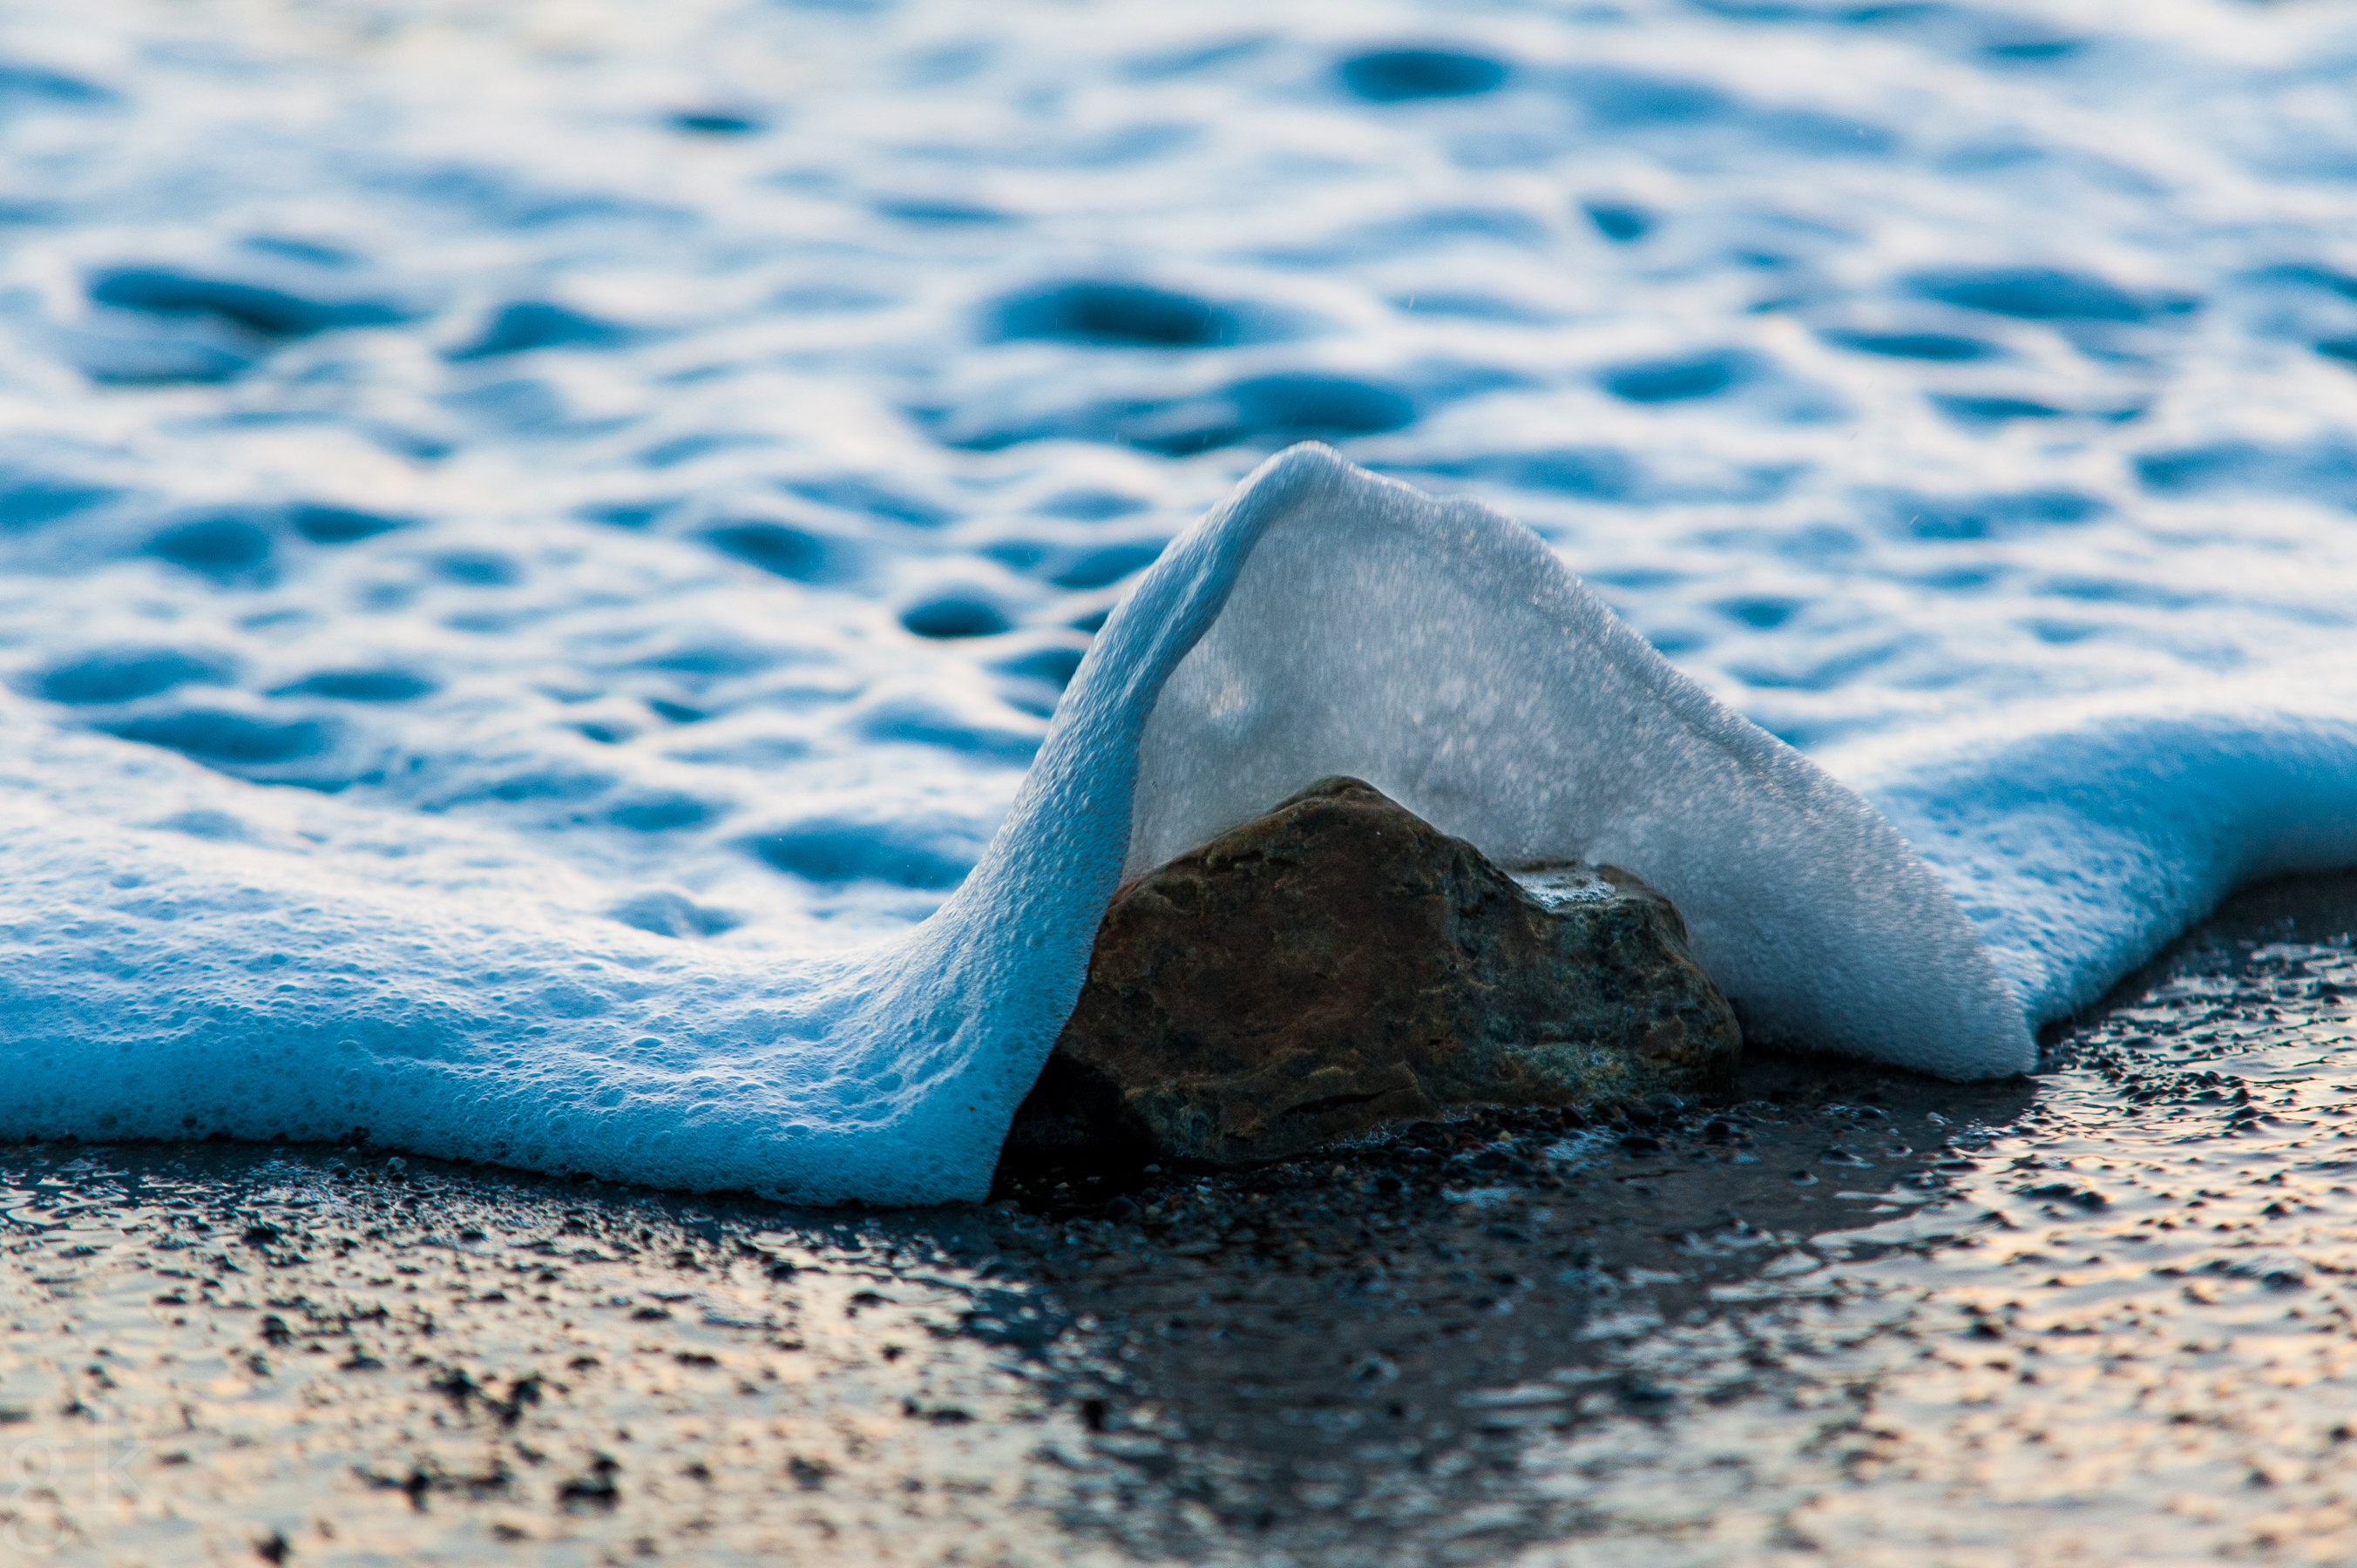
pixel 1339 963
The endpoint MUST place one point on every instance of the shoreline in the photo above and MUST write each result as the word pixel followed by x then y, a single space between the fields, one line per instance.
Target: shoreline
pixel 1495 1337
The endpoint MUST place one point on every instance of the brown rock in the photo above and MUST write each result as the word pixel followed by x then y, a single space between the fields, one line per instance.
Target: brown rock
pixel 1339 963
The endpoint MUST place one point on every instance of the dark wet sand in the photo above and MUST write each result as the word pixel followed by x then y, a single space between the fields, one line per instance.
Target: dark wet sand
pixel 2101 1315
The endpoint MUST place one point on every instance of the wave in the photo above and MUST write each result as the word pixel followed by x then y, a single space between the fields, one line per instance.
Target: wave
pixel 209 974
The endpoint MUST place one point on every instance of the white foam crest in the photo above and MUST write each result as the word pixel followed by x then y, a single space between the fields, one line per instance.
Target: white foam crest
pixel 1440 652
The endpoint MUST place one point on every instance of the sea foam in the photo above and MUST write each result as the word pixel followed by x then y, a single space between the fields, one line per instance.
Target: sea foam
pixel 2079 837
pixel 178 977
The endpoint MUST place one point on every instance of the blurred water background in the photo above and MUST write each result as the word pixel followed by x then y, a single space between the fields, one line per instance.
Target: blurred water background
pixel 674 454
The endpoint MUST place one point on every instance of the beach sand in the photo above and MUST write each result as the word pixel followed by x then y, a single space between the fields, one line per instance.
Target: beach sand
pixel 1846 1316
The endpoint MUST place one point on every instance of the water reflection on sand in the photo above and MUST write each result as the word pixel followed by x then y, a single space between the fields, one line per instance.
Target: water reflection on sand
pixel 2139 1352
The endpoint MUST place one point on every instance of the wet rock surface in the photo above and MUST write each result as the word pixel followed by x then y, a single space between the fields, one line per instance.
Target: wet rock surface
pixel 1337 964
pixel 1830 1316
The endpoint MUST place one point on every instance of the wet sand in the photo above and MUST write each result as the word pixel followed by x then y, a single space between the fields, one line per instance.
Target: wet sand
pixel 2099 1316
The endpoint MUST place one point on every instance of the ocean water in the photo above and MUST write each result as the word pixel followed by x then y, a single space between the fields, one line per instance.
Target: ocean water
pixel 541 546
